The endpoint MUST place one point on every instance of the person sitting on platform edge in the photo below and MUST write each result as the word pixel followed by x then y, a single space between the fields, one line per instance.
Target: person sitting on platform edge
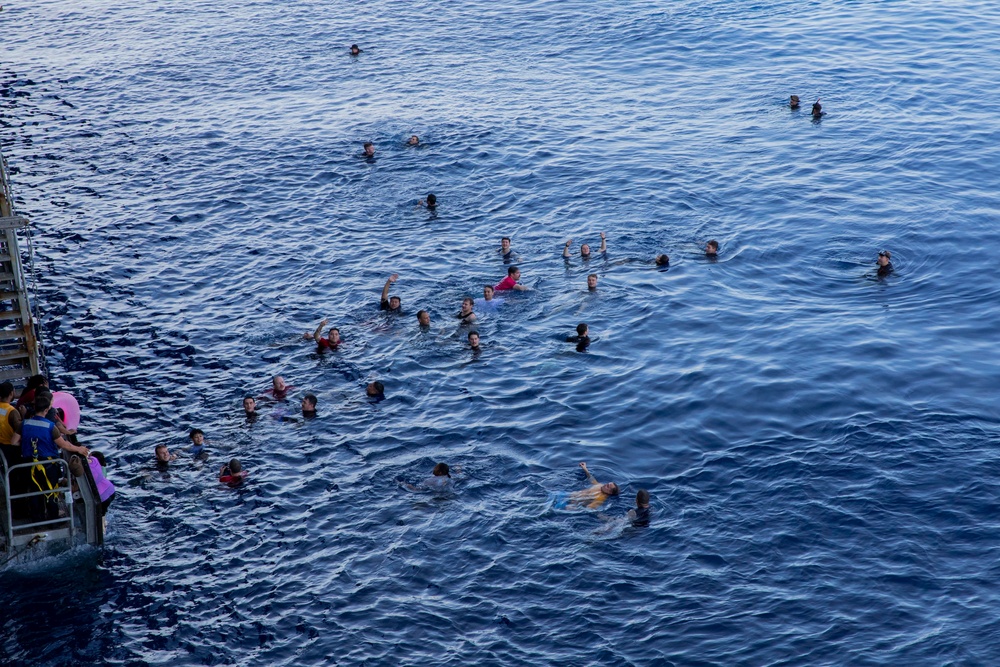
pixel 510 282
pixel 391 304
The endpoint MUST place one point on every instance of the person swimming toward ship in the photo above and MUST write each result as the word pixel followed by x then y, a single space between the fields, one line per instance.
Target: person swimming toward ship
pixel 591 498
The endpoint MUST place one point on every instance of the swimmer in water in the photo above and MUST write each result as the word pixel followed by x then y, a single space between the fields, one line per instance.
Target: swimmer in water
pixel 391 304
pixel 582 337
pixel 309 406
pixel 369 150
pixel 640 515
pixel 440 480
pixel 505 252
pixel 423 319
pixel 375 390
pixel 232 474
pixel 465 315
pixel 489 302
pixel 198 444
pixel 662 260
pixel 355 50
pixel 279 388
pixel 430 203
pixel 592 282
pixel 793 102
pixel 163 456
pixel 592 498
pixel 474 341
pixel 585 249
pixel 332 340
pixel 414 141
pixel 250 406
pixel 817 111
pixel 510 282
pixel 712 249
pixel 884 265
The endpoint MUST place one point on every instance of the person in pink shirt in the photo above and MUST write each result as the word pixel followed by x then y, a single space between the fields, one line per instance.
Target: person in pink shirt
pixel 510 282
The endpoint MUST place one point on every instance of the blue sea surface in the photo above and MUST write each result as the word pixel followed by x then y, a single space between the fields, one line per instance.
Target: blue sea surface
pixel 819 444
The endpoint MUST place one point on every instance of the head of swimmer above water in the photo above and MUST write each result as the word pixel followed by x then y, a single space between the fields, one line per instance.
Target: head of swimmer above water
pixel 250 405
pixel 609 489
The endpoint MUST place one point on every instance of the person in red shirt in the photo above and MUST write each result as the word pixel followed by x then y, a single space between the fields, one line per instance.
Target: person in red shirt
pixel 332 340
pixel 510 282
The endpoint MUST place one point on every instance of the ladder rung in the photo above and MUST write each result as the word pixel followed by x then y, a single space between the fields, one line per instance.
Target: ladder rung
pixel 9 315
pixel 13 355
pixel 15 373
pixel 8 334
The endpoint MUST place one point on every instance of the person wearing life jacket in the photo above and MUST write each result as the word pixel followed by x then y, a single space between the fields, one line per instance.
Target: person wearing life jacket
pixel 40 442
pixel 9 440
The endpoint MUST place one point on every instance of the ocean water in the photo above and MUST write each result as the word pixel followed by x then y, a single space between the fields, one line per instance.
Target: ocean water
pixel 820 445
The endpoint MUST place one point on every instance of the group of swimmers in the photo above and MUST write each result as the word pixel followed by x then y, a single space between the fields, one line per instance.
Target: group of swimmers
pixel 593 496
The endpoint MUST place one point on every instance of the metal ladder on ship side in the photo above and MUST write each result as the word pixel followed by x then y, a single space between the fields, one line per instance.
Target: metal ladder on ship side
pixel 19 349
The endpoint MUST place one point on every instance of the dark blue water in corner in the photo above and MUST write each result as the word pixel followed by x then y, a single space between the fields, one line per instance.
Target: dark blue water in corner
pixel 819 444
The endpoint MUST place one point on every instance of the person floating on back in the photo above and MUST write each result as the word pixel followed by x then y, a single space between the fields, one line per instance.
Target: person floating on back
pixel 391 304
pixel 591 498
pixel 511 281
pixel 884 265
pixel 232 474
pixel 640 515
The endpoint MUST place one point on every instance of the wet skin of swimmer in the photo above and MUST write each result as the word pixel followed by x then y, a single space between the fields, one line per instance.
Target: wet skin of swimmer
pixel 465 315
pixel 712 248
pixel 375 390
pixel 355 50
pixel 884 265
pixel 414 140
pixel 309 405
pixel 474 340
pixel 592 282
pixel 369 149
pixel 250 405
pixel 423 319
pixel 662 260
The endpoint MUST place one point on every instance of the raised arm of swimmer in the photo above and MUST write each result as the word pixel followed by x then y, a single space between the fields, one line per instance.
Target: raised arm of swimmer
pixel 604 242
pixel 590 476
pixel 319 329
pixel 566 248
pixel 388 283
